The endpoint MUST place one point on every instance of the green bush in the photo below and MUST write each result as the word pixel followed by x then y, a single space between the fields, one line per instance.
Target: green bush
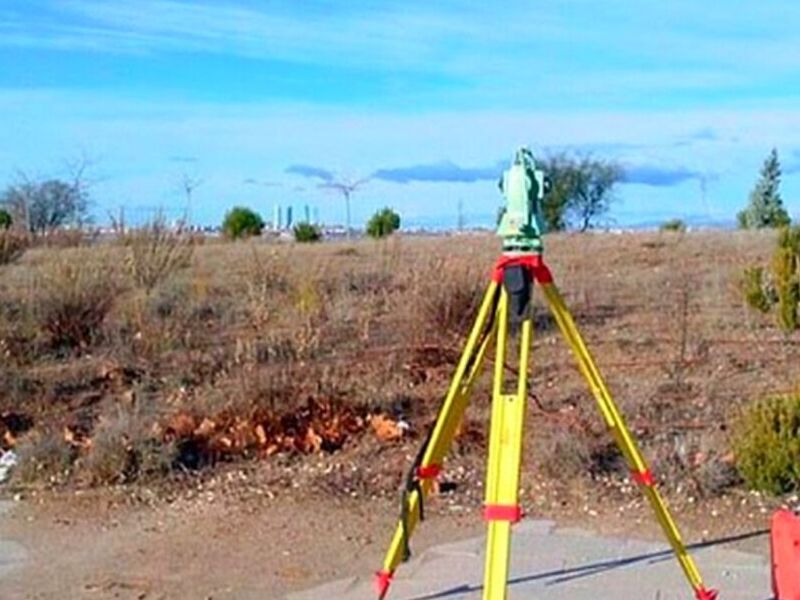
pixel 778 286
pixel 383 223
pixel 674 225
pixel 242 222
pixel 766 444
pixel 307 233
pixel 5 219
pixel 786 270
pixel 755 290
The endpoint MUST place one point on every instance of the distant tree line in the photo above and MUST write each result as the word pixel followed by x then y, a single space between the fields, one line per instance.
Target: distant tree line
pixel 581 194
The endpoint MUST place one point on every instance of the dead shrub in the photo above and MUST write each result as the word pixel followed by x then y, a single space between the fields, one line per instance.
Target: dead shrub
pixel 125 447
pixel 72 299
pixel 265 284
pixel 111 457
pixel 18 387
pixel 717 475
pixel 12 245
pixel 449 294
pixel 155 252
pixel 562 453
pixel 18 329
pixel 44 456
pixel 67 238
pixel 367 283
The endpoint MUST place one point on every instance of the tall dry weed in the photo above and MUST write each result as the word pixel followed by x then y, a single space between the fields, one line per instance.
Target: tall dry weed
pixel 125 449
pixel 72 297
pixel 13 244
pixel 448 295
pixel 155 252
pixel 265 284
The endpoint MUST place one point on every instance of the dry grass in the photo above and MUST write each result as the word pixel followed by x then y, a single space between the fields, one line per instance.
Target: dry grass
pixel 260 331
pixel 12 245
pixel 155 252
pixel 72 296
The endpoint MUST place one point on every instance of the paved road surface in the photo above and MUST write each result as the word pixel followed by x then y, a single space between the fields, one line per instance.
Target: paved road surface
pixel 11 553
pixel 561 564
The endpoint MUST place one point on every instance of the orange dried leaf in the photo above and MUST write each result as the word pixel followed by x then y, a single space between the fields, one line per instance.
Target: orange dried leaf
pixel 386 429
pixel 181 425
pixel 9 439
pixel 261 435
pixel 206 428
pixel 312 442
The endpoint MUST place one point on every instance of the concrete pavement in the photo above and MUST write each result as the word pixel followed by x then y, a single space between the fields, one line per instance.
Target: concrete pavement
pixel 560 564
pixel 11 553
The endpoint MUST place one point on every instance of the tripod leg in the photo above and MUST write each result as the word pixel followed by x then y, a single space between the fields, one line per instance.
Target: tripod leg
pixel 624 438
pixel 505 453
pixel 441 437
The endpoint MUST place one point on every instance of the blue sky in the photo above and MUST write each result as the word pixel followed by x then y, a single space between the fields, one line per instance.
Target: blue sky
pixel 263 101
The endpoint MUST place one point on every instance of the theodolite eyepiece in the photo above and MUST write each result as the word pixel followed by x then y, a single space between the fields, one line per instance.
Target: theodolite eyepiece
pixel 524 187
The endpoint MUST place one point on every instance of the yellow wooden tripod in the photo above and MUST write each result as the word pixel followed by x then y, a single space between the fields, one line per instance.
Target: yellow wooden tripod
pixel 506 300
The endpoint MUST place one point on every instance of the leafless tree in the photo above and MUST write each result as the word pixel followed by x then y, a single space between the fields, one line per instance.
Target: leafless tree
pixel 346 187
pixel 44 204
pixel 189 184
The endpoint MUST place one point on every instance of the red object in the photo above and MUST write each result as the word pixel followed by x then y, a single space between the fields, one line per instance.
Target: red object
pixel 382 581
pixel 704 594
pixel 785 547
pixel 533 261
pixel 429 472
pixel 502 512
pixel 644 478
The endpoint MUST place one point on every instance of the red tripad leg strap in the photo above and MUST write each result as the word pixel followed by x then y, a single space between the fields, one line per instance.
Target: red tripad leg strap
pixel 382 581
pixel 541 273
pixel 704 594
pixel 644 477
pixel 533 262
pixel 502 512
pixel 429 472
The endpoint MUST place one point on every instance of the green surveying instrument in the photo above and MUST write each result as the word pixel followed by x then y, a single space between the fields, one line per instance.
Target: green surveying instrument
pixel 524 187
pixel 508 301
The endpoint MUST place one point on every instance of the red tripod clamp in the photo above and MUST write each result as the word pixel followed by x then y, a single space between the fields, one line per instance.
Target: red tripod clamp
pixel 533 262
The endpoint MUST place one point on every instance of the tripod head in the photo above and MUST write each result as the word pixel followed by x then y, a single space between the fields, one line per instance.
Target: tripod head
pixel 523 186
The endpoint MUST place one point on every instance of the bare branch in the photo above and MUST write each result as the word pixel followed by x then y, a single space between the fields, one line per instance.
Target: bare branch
pixel 345 187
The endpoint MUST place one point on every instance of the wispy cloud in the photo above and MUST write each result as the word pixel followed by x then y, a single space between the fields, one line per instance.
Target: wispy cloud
pixel 447 42
pixel 659 176
pixel 706 133
pixel 362 32
pixel 254 181
pixel 703 135
pixel 444 171
pixel 310 171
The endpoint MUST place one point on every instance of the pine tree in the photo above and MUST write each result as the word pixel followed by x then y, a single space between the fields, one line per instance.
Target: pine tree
pixel 766 206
